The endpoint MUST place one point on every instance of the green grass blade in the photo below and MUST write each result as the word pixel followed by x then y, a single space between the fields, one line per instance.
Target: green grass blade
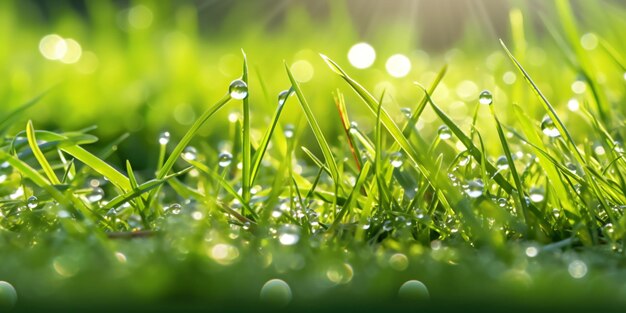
pixel 169 163
pixel 317 131
pixel 245 142
pixel 114 176
pixel 561 128
pixel 354 194
pixel 512 168
pixel 260 152
pixel 32 142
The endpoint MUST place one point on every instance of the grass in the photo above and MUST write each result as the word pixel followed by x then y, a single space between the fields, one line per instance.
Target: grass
pixel 508 198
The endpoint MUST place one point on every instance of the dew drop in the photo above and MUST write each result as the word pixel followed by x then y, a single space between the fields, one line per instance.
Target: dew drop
pixel 276 292
pixel 485 97
pixel 289 131
pixel 406 111
pixel 502 163
pixel 282 96
pixel 175 209
pixel 95 195
pixel 444 132
pixel 549 128
pixel 224 159
pixel 32 202
pixel 164 138
pixel 413 290
pixel 399 262
pixel 190 153
pixel 8 296
pixel 475 188
pixel 238 89
pixel 536 194
pixel 396 159
pixel 577 269
pixel 289 234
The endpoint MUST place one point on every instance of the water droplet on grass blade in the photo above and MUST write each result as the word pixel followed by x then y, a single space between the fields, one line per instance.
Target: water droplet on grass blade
pixel 238 89
pixel 444 132
pixel 289 131
pixel 396 159
pixel 413 290
pixel 32 202
pixel 174 209
pixel 406 111
pixel 289 234
pixel 224 159
pixel 485 97
pixel 276 292
pixel 8 296
pixel 502 163
pixel 96 194
pixel 475 188
pixel 536 194
pixel 164 138
pixel 190 153
pixel 282 96
pixel 549 128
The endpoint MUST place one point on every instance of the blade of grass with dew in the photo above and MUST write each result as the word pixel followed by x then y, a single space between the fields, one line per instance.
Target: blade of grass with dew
pixel 476 154
pixel 512 168
pixel 561 128
pixel 422 162
pixel 224 184
pixel 406 130
pixel 352 197
pixel 317 131
pixel 182 144
pixel 260 152
pixel 245 142
pixel 140 190
pixel 548 165
pixel 78 207
pixel 43 162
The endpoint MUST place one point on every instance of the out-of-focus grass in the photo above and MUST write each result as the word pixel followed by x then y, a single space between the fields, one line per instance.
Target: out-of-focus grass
pixel 514 190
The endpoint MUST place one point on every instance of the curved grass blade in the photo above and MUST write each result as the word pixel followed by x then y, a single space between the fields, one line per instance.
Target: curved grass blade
pixel 45 165
pixel 350 202
pixel 317 131
pixel 98 165
pixel 169 163
pixel 139 190
pixel 562 130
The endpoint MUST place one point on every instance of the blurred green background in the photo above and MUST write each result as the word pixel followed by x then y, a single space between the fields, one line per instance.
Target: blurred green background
pixel 149 66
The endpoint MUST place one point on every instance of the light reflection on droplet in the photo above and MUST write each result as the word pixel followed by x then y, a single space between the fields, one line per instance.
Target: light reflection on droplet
pixel 340 274
pixel 577 269
pixel 276 292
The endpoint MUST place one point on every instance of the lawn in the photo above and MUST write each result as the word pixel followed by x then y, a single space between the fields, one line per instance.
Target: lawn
pixel 312 156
